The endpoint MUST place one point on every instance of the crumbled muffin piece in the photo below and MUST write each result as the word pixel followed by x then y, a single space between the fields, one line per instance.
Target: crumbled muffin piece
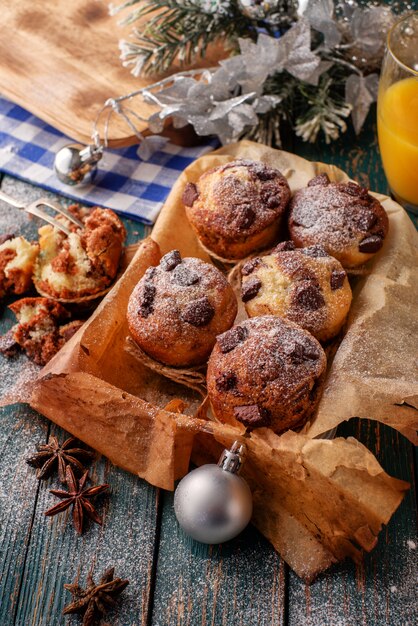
pixel 84 263
pixel 8 345
pixel 17 259
pixel 40 331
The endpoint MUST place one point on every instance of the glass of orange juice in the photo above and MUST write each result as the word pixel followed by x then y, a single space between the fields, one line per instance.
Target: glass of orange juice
pixel 397 112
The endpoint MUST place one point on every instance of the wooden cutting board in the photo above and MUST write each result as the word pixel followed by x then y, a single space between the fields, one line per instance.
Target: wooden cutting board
pixel 60 61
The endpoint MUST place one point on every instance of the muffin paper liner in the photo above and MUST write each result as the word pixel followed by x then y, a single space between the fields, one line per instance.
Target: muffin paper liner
pixel 317 501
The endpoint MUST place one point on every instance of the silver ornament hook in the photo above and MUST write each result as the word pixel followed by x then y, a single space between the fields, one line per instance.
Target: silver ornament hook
pixel 76 164
pixel 148 94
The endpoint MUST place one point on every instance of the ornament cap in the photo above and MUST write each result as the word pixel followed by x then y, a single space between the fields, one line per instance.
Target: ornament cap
pixel 91 154
pixel 232 460
pixel 76 164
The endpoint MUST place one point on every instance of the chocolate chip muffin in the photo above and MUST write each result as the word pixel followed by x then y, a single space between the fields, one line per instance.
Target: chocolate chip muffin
pixel 178 308
pixel 342 217
pixel 17 258
pixel 83 263
pixel 304 285
pixel 266 371
pixel 237 208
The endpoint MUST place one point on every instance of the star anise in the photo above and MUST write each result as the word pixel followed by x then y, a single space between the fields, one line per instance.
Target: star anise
pixel 79 497
pixel 95 600
pixel 54 454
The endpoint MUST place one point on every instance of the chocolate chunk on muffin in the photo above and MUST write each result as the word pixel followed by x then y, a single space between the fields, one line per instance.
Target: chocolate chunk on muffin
pixel 237 208
pixel 304 285
pixel 344 218
pixel 17 259
pixel 43 327
pixel 178 308
pixel 84 263
pixel 266 371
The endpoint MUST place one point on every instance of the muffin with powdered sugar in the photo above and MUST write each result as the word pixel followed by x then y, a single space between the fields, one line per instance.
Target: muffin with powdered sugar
pixel 348 222
pixel 266 371
pixel 237 208
pixel 178 308
pixel 304 285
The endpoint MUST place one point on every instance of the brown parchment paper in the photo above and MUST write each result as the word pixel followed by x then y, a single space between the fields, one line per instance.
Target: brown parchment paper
pixel 317 501
pixel 375 371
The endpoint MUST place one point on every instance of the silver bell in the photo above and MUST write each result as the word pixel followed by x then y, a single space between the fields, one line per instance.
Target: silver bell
pixel 76 164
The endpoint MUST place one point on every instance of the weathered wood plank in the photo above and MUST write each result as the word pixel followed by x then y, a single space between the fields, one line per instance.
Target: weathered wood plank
pixel 57 555
pixel 19 428
pixel 382 591
pixel 38 554
pixel 241 582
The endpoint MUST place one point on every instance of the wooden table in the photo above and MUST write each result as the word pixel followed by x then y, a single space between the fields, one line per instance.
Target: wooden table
pixel 173 580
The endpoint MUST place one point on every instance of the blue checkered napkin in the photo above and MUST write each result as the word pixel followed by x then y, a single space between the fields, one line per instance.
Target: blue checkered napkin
pixel 124 183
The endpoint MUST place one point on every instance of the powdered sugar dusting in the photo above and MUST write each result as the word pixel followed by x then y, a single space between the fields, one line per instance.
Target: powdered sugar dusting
pixel 177 313
pixel 17 377
pixel 337 215
pixel 277 366
pixel 296 284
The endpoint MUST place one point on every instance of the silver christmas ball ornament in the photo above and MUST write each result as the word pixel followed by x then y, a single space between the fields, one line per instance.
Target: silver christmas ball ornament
pixel 212 503
pixel 76 164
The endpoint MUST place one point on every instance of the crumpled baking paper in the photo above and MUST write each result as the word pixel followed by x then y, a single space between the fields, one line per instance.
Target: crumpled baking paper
pixel 317 501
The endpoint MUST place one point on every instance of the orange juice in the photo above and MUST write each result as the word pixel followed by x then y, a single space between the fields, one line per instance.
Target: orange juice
pixel 397 123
